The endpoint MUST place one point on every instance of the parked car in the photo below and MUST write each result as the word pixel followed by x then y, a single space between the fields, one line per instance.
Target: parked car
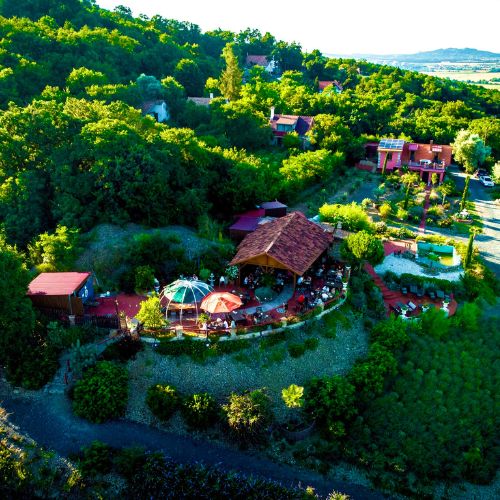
pixel 481 172
pixel 485 180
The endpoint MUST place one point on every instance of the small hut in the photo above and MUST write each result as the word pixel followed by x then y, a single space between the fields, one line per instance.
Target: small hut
pixel 64 291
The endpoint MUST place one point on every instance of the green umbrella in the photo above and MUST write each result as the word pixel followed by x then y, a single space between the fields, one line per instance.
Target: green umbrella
pixel 185 292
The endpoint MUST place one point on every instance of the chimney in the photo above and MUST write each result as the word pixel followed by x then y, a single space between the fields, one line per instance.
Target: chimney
pixel 430 146
pixel 272 113
pixel 211 95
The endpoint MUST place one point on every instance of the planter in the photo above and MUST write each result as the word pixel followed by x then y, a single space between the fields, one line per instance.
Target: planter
pixel 298 434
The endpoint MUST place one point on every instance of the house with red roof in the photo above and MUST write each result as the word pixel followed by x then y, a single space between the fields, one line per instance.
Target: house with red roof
pixel 285 124
pixel 263 61
pixel 330 85
pixel 64 291
pixel 425 159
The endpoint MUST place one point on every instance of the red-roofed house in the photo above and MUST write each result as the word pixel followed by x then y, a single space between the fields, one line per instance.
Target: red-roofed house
pixel 262 61
pixel 292 243
pixel 157 109
pixel 335 85
pixel 65 291
pixel 284 124
pixel 426 159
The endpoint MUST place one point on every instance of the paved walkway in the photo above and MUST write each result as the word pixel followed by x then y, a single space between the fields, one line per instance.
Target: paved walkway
pixel 421 227
pixel 285 295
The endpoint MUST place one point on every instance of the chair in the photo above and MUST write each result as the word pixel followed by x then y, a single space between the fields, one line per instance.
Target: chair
pixel 420 292
pixel 411 305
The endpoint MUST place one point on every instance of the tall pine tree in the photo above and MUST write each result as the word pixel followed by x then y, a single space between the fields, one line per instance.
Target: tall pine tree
pixel 231 77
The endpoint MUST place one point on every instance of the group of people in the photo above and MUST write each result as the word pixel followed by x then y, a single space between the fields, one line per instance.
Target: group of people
pixel 218 324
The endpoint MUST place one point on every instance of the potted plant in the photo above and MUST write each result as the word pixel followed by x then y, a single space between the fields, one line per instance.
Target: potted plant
pixel 232 273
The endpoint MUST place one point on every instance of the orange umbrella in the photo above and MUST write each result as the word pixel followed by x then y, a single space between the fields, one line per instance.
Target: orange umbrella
pixel 220 302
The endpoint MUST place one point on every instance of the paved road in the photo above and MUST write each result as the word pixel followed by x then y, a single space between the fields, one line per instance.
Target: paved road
pixel 488 241
pixel 52 425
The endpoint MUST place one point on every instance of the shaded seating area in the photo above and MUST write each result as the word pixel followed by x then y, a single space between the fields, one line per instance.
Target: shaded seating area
pixel 287 246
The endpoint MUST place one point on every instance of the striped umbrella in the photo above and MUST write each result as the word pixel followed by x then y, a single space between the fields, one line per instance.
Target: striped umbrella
pixel 185 292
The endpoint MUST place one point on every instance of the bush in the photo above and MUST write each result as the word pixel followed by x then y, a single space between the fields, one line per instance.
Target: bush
pixel 123 350
pixel 380 227
pixel 292 396
pixel 296 350
pixel 96 459
pixel 144 278
pixel 385 210
pixel 249 416
pixel 200 410
pixel 352 216
pixel 162 400
pixel 102 392
pixel 402 214
pixel 311 344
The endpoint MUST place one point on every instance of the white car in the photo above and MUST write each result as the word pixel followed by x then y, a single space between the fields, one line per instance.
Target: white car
pixel 486 181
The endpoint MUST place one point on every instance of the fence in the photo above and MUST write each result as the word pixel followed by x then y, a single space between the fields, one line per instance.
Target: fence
pixel 110 321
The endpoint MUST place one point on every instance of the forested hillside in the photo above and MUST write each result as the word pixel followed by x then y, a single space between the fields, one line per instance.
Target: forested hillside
pixel 75 149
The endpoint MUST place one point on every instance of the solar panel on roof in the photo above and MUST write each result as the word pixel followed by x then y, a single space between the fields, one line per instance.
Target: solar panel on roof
pixel 391 144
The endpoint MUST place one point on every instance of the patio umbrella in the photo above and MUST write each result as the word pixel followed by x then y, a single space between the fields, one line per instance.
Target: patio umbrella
pixel 220 302
pixel 185 292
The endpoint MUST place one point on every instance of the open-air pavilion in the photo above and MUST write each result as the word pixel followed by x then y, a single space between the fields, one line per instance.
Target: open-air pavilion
pixel 291 244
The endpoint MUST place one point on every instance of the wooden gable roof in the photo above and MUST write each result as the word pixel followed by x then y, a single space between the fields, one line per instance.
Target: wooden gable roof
pixel 291 242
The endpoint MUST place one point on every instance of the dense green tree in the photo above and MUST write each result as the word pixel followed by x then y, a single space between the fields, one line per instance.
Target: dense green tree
pixel 189 75
pixel 17 319
pixel 231 77
pixel 361 247
pixel 465 193
pixel 470 150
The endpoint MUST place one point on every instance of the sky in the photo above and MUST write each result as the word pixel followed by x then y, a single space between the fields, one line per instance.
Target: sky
pixel 343 26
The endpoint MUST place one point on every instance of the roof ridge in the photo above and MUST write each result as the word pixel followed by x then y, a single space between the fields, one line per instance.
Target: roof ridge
pixel 280 232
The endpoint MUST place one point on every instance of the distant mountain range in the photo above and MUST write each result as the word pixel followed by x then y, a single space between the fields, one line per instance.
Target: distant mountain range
pixel 433 56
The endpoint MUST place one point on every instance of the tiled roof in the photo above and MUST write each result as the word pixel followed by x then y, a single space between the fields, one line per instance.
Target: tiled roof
pixel 147 106
pixel 292 240
pixel 257 60
pixel 268 205
pixel 304 123
pixel 200 101
pixel 57 283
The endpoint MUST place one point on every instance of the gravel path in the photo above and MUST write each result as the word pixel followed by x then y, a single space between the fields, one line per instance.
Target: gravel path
pixel 225 374
pixel 47 419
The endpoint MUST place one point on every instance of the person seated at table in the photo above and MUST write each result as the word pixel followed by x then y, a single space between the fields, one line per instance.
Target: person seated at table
pixel 300 280
pixel 194 277
pixel 225 324
pixel 245 281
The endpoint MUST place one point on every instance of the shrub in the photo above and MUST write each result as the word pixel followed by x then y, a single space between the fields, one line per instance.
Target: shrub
pixel 82 357
pixel 311 344
pixel 249 416
pixel 385 210
pixel 366 202
pixel 402 214
pixel 123 350
pixel 331 401
pixel 144 278
pixel 162 400
pixel 96 459
pixel 102 392
pixel 150 314
pixel 352 216
pixel 200 410
pixel 292 396
pixel 380 227
pixel 296 349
